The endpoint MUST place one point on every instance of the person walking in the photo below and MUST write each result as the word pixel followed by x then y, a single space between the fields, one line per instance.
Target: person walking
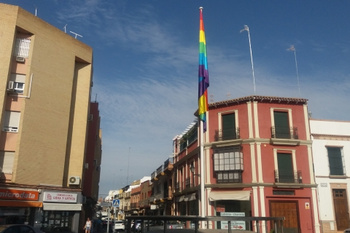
pixel 88 226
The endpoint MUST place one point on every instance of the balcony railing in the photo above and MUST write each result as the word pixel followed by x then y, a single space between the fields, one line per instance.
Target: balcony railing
pixel 188 182
pixel 167 165
pixel 227 134
pixel 153 175
pixel 284 177
pixel 284 132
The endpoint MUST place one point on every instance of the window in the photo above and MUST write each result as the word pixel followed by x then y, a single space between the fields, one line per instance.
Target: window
pixel 183 144
pixel 11 121
pixel 6 161
pixel 228 165
pixel 282 128
pixel 335 161
pixel 285 173
pixel 228 126
pixel 18 82
pixel 59 220
pixel 22 47
pixel 192 135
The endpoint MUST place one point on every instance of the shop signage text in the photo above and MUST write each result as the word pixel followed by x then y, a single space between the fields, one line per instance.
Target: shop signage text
pixel 60 197
pixel 20 195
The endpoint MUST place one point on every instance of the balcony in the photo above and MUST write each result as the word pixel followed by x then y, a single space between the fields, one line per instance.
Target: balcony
pixel 227 134
pixel 285 136
pixel 188 182
pixel 167 166
pixel 284 132
pixel 284 177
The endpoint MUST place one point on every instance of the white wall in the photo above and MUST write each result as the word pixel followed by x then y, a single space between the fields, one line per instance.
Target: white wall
pixel 333 133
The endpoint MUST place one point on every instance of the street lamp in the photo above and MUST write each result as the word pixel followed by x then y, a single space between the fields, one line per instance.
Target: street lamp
pixel 192 170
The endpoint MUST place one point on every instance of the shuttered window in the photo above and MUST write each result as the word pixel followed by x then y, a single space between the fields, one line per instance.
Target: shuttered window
pixel 6 161
pixel 228 126
pixel 11 121
pixel 282 129
pixel 285 168
pixel 335 161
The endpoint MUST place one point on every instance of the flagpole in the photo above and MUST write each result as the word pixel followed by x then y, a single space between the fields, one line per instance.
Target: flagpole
pixel 246 28
pixel 292 48
pixel 202 174
pixel 203 76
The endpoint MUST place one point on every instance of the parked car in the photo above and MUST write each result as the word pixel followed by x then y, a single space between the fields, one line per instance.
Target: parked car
pixel 119 225
pixel 18 228
pixel 175 225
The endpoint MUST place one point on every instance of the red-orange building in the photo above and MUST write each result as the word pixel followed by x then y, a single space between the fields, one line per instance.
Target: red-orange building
pixel 257 162
pixel 92 165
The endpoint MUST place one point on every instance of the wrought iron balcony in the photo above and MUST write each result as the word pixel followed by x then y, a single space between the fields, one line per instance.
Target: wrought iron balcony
pixel 188 182
pixel 227 134
pixel 284 132
pixel 287 177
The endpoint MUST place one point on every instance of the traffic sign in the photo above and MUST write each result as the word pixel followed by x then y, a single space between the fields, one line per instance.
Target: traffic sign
pixel 115 203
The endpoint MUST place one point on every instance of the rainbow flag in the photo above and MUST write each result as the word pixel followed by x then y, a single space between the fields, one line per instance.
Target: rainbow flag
pixel 203 74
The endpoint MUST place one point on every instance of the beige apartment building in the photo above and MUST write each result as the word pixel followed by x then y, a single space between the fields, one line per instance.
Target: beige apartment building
pixel 45 85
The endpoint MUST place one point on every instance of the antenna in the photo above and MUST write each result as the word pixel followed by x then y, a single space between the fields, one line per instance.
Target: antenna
pixel 292 48
pixel 65 28
pixel 127 172
pixel 76 34
pixel 246 28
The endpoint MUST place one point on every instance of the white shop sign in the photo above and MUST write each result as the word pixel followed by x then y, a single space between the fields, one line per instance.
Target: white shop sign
pixel 60 197
pixel 237 225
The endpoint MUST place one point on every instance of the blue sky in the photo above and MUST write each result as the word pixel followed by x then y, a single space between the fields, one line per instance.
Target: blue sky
pixel 146 65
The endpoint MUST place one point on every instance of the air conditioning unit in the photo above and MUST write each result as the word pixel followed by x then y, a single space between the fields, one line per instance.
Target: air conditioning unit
pixel 74 180
pixel 20 59
pixel 11 86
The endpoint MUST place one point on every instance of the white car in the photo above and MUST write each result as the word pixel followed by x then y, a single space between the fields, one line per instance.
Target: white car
pixel 119 225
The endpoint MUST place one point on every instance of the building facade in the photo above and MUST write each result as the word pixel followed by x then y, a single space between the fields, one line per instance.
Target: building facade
pixel 92 165
pixel 257 162
pixel 161 199
pixel 331 147
pixel 45 95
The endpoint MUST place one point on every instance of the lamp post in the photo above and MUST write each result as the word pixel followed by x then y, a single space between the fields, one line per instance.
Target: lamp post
pixel 192 169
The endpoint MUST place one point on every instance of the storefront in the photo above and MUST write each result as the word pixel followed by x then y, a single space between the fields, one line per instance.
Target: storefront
pixel 18 206
pixel 231 203
pixel 61 211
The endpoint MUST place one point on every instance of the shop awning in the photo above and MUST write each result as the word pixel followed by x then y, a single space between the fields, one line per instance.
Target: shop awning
pixel 62 207
pixel 229 195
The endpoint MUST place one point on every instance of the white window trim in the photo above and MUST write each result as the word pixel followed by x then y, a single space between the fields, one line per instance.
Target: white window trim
pixel 293 152
pixel 290 119
pixel 224 113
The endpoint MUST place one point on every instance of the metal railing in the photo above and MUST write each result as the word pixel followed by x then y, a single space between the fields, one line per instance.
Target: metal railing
pixel 227 134
pixel 255 224
pixel 288 177
pixel 284 132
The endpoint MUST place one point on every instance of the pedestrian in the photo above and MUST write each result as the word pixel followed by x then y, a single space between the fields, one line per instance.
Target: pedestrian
pixel 88 226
